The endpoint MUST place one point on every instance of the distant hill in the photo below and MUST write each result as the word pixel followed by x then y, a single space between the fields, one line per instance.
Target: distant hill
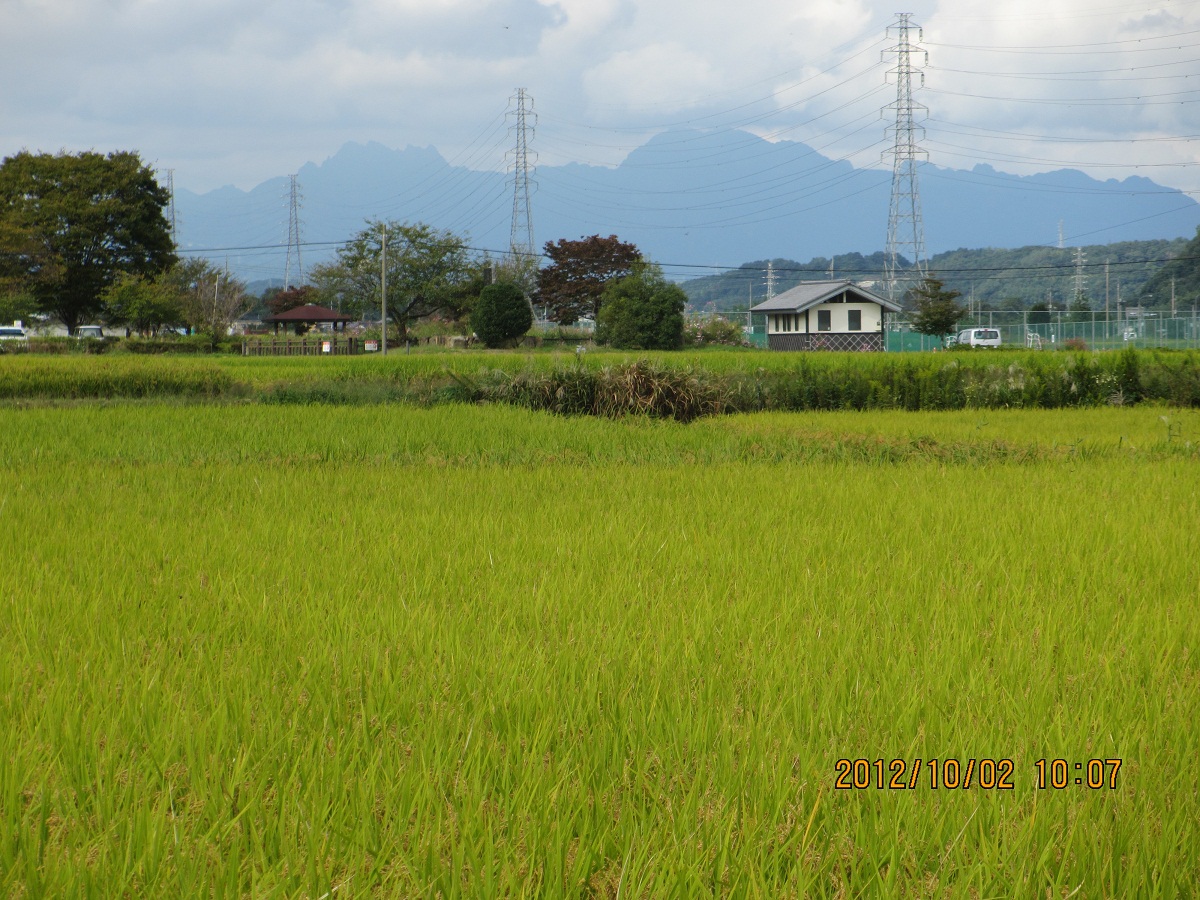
pixel 687 198
pixel 1179 278
pixel 994 279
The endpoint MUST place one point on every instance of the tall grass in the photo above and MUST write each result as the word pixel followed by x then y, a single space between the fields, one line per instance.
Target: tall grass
pixel 269 651
pixel 682 386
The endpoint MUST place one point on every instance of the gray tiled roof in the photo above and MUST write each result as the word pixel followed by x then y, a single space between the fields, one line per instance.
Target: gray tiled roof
pixel 808 294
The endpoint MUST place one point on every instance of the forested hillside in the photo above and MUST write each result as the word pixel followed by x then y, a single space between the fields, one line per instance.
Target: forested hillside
pixel 1137 271
pixel 1181 277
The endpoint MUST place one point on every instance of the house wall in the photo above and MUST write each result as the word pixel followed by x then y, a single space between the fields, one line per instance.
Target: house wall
pixel 872 320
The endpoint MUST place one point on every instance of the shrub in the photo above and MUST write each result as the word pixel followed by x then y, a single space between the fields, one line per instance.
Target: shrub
pixel 706 331
pixel 501 314
pixel 642 311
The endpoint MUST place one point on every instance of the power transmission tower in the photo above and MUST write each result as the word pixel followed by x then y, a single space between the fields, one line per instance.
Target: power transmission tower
pixel 171 205
pixel 905 229
pixel 293 250
pixel 521 164
pixel 770 279
pixel 1080 285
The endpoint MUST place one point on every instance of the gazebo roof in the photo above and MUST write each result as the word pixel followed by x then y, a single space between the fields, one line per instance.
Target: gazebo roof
pixel 310 313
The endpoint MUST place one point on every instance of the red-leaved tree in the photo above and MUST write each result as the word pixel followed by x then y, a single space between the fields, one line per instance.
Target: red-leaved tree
pixel 572 286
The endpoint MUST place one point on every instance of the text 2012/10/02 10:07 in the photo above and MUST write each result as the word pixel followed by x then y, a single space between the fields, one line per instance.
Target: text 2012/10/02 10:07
pixel 986 774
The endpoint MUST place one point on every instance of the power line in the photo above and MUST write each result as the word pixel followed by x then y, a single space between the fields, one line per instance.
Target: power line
pixel 757 271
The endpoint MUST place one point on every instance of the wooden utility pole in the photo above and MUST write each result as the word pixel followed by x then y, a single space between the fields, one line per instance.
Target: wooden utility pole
pixel 383 284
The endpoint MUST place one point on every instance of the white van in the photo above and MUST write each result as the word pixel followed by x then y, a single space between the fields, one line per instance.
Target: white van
pixel 979 337
pixel 89 331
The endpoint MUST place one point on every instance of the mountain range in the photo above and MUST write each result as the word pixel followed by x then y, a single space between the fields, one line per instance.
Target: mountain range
pixel 694 201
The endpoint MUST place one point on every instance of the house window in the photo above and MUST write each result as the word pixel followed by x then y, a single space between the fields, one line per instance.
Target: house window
pixel 824 320
pixel 855 319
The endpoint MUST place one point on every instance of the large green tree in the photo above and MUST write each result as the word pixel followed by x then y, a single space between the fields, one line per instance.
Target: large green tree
pixel 429 271
pixel 936 310
pixel 572 286
pixel 642 311
pixel 71 223
pixel 501 314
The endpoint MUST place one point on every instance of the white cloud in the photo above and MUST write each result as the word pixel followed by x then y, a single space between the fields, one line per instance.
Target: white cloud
pixel 225 91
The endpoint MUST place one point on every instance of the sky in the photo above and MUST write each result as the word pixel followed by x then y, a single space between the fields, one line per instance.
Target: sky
pixel 234 92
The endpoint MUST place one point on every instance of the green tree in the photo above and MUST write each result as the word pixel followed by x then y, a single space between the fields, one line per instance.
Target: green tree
pixel 144 305
pixel 1080 308
pixel 71 223
pixel 428 271
pixel 501 314
pixel 642 311
pixel 211 299
pixel 935 310
pixel 1039 314
pixel 572 286
pixel 292 298
pixel 16 305
pixel 1179 278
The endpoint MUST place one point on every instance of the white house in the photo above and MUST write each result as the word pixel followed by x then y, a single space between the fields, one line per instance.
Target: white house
pixel 826 315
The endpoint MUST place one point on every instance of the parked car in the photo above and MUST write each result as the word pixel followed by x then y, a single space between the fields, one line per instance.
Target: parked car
pixel 13 333
pixel 89 331
pixel 979 337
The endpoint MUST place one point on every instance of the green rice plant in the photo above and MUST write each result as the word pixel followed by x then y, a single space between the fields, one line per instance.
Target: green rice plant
pixel 75 377
pixel 281 650
pixel 683 385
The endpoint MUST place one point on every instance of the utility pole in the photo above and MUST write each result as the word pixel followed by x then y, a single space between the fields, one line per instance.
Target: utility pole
pixel 1060 234
pixel 383 285
pixel 171 218
pixel 521 163
pixel 1106 295
pixel 293 249
pixel 1079 280
pixel 905 229
pixel 1172 296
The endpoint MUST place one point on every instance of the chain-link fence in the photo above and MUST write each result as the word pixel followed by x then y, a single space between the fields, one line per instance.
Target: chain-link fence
pixel 1048 331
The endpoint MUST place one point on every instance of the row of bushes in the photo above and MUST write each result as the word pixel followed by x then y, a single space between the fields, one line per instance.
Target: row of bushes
pixel 910 383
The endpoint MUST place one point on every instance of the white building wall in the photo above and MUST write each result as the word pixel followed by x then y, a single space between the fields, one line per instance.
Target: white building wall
pixel 872 319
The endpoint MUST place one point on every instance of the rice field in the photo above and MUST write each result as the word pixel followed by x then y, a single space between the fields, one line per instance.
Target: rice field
pixel 382 651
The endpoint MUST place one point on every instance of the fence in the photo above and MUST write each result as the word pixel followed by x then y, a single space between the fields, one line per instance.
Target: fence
pixel 1054 330
pixel 296 346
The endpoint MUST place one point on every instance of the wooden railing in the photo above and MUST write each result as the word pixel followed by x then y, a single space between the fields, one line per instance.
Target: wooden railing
pixel 297 346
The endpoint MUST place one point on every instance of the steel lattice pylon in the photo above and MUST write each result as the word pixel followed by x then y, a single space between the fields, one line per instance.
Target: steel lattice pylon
pixel 521 163
pixel 172 216
pixel 293 237
pixel 906 233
